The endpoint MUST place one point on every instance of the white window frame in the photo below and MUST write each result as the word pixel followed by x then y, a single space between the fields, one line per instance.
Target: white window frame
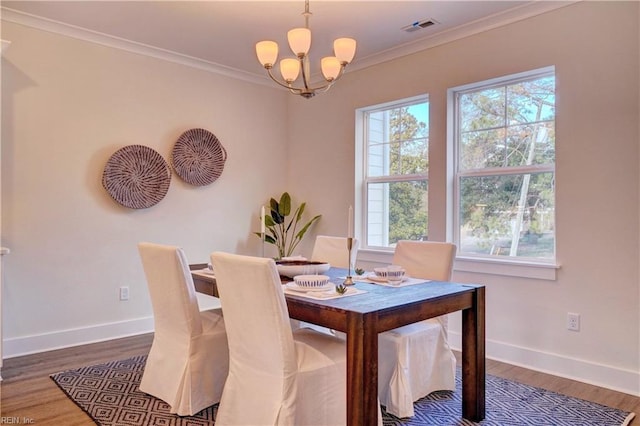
pixel 497 265
pixel 377 253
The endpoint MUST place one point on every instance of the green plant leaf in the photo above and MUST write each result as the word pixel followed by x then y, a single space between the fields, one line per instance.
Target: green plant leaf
pixel 275 211
pixel 273 204
pixel 277 217
pixel 300 211
pixel 304 229
pixel 268 221
pixel 285 204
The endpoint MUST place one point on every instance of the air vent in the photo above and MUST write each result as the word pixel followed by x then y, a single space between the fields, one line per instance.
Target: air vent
pixel 418 25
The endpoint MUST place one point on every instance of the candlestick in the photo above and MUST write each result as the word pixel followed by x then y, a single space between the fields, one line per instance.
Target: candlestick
pixel 349 279
pixel 262 228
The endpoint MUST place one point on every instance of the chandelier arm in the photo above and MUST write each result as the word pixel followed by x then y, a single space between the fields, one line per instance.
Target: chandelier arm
pixel 326 86
pixel 285 85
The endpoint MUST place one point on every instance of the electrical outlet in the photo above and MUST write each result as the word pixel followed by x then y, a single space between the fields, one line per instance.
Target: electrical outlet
pixel 124 293
pixel 573 321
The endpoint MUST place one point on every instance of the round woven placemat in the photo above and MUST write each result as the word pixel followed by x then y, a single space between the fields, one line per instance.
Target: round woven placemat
pixel 136 176
pixel 198 157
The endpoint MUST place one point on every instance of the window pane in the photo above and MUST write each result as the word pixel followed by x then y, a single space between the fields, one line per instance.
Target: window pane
pixel 398 141
pixel 409 157
pixel 483 109
pixel 484 148
pixel 531 101
pixel 531 144
pixel 508 215
pixel 378 160
pixel 396 211
pixel 523 111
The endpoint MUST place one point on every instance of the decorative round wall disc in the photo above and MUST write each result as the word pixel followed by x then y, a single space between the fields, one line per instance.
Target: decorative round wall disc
pixel 198 157
pixel 136 176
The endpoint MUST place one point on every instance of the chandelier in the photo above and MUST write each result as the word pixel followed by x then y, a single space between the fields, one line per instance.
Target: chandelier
pixel 300 42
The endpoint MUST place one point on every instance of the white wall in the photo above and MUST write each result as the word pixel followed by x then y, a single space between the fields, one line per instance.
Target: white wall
pixel 595 49
pixel 67 106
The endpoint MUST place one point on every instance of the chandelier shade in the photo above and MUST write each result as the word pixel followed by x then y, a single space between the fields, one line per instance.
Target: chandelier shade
pixel 345 49
pixel 300 43
pixel 330 68
pixel 267 52
pixel 290 69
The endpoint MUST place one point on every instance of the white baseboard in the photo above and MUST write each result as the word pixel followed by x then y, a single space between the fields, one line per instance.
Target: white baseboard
pixel 26 345
pixel 606 376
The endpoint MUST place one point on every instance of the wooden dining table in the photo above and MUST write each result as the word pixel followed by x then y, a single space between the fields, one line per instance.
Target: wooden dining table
pixel 381 308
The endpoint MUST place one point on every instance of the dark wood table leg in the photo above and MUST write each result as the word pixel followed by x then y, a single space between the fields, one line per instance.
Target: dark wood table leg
pixel 362 370
pixel 473 358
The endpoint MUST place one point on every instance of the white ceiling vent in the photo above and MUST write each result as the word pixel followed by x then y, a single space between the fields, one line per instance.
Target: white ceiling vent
pixel 418 25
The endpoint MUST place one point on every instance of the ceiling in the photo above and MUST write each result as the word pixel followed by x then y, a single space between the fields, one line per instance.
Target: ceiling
pixel 222 34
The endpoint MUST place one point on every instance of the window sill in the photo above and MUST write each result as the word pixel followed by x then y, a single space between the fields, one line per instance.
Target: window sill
pixel 477 265
pixel 510 268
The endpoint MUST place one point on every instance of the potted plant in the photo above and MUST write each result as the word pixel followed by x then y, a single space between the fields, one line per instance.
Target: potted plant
pixel 282 227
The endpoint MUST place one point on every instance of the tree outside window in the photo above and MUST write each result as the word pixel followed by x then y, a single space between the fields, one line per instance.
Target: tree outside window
pixel 505 168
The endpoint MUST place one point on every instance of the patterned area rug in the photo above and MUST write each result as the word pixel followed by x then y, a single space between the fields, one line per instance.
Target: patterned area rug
pixel 109 394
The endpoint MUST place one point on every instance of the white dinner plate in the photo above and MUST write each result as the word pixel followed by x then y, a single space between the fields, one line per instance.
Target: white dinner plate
pixel 293 286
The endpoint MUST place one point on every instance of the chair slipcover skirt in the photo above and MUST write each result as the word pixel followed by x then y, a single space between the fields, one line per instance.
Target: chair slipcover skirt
pixel 415 361
pixel 188 361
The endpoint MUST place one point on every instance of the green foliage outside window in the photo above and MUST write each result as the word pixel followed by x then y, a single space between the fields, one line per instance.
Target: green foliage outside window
pixel 506 206
pixel 408 219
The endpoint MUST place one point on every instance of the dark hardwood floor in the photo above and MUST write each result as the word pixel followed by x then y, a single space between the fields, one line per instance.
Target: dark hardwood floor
pixel 28 392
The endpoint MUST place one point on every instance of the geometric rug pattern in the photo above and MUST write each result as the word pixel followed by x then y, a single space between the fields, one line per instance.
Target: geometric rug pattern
pixel 109 394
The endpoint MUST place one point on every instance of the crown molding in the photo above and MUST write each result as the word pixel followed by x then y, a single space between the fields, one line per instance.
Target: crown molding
pixel 475 27
pixel 494 21
pixel 56 27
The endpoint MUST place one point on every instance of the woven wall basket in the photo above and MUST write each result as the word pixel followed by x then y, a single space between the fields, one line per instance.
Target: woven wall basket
pixel 198 157
pixel 136 176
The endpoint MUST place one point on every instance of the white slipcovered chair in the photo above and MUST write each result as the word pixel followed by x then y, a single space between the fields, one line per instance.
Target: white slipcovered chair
pixel 276 376
pixel 333 250
pixel 189 359
pixel 415 360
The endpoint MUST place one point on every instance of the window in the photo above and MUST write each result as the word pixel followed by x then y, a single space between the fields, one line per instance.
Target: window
pixel 393 148
pixel 504 168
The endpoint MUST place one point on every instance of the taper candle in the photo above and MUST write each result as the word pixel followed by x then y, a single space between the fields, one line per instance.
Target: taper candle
pixel 262 225
pixel 350 227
